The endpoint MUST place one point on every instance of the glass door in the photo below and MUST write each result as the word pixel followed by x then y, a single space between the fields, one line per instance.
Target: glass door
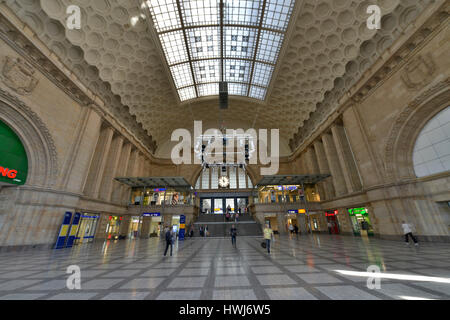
pixel 206 206
pixel 218 206
pixel 86 230
pixel 230 204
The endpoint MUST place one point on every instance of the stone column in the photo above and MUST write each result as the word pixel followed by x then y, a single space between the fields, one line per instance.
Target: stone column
pixel 145 227
pixel 346 160
pixel 130 172
pixel 98 162
pixel 281 220
pixel 118 188
pixel 324 169
pixel 313 167
pixel 333 162
pixel 125 225
pixel 111 168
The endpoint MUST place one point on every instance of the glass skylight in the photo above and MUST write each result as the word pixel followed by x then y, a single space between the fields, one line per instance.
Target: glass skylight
pixel 205 45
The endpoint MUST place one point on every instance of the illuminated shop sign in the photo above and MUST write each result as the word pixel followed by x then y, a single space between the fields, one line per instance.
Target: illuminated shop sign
pixel 13 159
pixel 331 213
pixel 151 214
pixel 159 189
pixel 280 188
pixel 90 217
pixel 357 212
pixel 297 211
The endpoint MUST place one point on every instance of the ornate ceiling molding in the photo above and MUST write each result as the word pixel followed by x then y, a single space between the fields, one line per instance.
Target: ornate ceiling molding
pixel 358 89
pixel 85 96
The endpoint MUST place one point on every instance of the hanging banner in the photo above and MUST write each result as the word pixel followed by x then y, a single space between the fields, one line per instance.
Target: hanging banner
pixel 63 231
pixel 73 229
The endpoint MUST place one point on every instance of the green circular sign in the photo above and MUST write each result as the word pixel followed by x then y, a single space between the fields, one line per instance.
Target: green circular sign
pixel 13 159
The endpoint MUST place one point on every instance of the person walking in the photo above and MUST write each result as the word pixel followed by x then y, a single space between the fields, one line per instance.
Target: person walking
pixel 296 230
pixel 169 240
pixel 191 231
pixel 233 233
pixel 201 231
pixel 407 231
pixel 291 230
pixel 329 227
pixel 268 235
pixel 205 231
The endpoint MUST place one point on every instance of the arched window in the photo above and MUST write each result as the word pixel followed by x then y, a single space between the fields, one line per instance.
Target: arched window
pixel 238 178
pixel 432 148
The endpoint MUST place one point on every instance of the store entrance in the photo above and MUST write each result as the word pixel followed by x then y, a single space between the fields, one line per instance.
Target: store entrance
pixel 86 230
pixel 333 225
pixel 360 222
pixel 135 226
pixel 112 229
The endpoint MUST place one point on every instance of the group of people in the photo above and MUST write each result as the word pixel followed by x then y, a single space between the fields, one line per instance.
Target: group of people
pixel 204 231
pixel 170 235
pixel 233 216
pixel 293 229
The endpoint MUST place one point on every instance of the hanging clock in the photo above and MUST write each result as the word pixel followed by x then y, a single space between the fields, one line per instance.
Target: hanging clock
pixel 224 182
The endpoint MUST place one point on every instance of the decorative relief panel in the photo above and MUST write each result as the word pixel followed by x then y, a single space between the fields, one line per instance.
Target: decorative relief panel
pixel 18 75
pixel 418 72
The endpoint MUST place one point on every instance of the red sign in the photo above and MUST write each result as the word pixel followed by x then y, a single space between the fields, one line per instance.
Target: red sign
pixel 10 173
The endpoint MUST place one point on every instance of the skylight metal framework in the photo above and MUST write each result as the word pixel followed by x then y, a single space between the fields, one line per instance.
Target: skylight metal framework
pixel 207 41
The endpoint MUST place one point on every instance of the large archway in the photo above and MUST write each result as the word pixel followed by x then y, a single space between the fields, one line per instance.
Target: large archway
pixel 398 158
pixel 35 138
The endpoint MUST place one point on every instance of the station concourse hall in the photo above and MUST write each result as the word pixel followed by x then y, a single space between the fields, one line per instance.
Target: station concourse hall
pixel 254 151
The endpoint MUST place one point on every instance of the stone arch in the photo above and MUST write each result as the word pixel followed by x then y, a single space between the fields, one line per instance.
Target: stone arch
pixel 406 128
pixel 35 137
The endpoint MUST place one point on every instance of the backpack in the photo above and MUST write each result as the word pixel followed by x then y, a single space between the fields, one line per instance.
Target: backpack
pixel 168 236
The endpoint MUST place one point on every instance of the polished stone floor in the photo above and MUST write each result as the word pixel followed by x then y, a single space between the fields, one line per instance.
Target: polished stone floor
pixel 310 267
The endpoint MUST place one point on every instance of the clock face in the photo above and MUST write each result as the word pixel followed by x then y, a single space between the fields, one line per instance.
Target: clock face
pixel 223 181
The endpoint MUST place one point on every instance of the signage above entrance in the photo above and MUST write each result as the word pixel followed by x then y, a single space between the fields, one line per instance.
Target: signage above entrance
pixel 151 214
pixel 297 211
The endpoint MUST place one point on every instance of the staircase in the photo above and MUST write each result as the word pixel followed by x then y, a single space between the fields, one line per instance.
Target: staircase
pixel 219 227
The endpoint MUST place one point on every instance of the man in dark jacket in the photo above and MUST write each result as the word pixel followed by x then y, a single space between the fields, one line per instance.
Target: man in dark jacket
pixel 233 233
pixel 169 240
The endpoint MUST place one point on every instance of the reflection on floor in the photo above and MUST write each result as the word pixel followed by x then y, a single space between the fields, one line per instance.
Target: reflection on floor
pixel 310 267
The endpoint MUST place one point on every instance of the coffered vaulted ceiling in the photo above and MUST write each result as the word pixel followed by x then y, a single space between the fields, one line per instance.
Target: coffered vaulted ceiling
pixel 326 49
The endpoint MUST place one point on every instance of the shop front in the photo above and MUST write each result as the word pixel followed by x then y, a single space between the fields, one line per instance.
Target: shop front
pixel 315 221
pixel 360 221
pixel 135 227
pixel 155 196
pixel 155 227
pixel 332 221
pixel 86 230
pixel 287 193
pixel 113 227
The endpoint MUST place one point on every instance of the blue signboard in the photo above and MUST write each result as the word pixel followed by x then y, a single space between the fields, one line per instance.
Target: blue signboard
pixel 73 229
pixel 63 231
pixel 151 214
pixel 182 227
